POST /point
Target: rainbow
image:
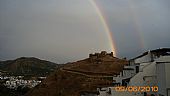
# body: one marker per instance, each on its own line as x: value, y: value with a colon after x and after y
x: 137, y: 25
x: 106, y: 27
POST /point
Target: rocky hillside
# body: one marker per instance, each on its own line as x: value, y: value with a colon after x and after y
x: 28, y: 66
x: 82, y: 76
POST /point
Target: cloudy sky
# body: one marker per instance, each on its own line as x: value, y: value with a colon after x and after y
x: 68, y: 30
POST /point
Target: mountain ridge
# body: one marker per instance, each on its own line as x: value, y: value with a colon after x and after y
x: 28, y: 66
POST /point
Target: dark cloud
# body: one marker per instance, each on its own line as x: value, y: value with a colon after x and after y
x: 60, y: 30
x: 68, y: 30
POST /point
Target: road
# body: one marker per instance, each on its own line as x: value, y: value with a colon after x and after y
x: 95, y: 75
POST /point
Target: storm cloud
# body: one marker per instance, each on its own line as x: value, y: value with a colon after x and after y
x: 68, y: 30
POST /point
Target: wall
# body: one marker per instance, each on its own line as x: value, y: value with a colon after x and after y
x: 149, y: 73
x: 146, y: 58
x: 167, y: 70
x: 163, y: 74
x: 160, y: 67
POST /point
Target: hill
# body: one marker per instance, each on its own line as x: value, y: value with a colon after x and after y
x: 82, y: 76
x: 28, y: 66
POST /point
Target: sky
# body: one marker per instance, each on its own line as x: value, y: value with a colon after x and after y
x: 68, y: 30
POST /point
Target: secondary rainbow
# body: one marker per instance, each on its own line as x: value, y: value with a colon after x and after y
x: 103, y: 21
x: 137, y: 26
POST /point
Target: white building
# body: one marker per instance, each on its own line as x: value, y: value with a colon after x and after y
x: 15, y: 82
x: 149, y: 73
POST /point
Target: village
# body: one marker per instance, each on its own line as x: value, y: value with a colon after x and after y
x: 13, y: 82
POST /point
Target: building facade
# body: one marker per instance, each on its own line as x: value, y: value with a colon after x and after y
x: 146, y: 75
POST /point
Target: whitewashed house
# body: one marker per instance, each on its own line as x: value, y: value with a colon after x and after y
x: 151, y: 71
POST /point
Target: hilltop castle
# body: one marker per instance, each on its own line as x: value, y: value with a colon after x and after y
x: 97, y: 57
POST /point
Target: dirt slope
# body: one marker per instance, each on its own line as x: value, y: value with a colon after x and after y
x: 80, y: 76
